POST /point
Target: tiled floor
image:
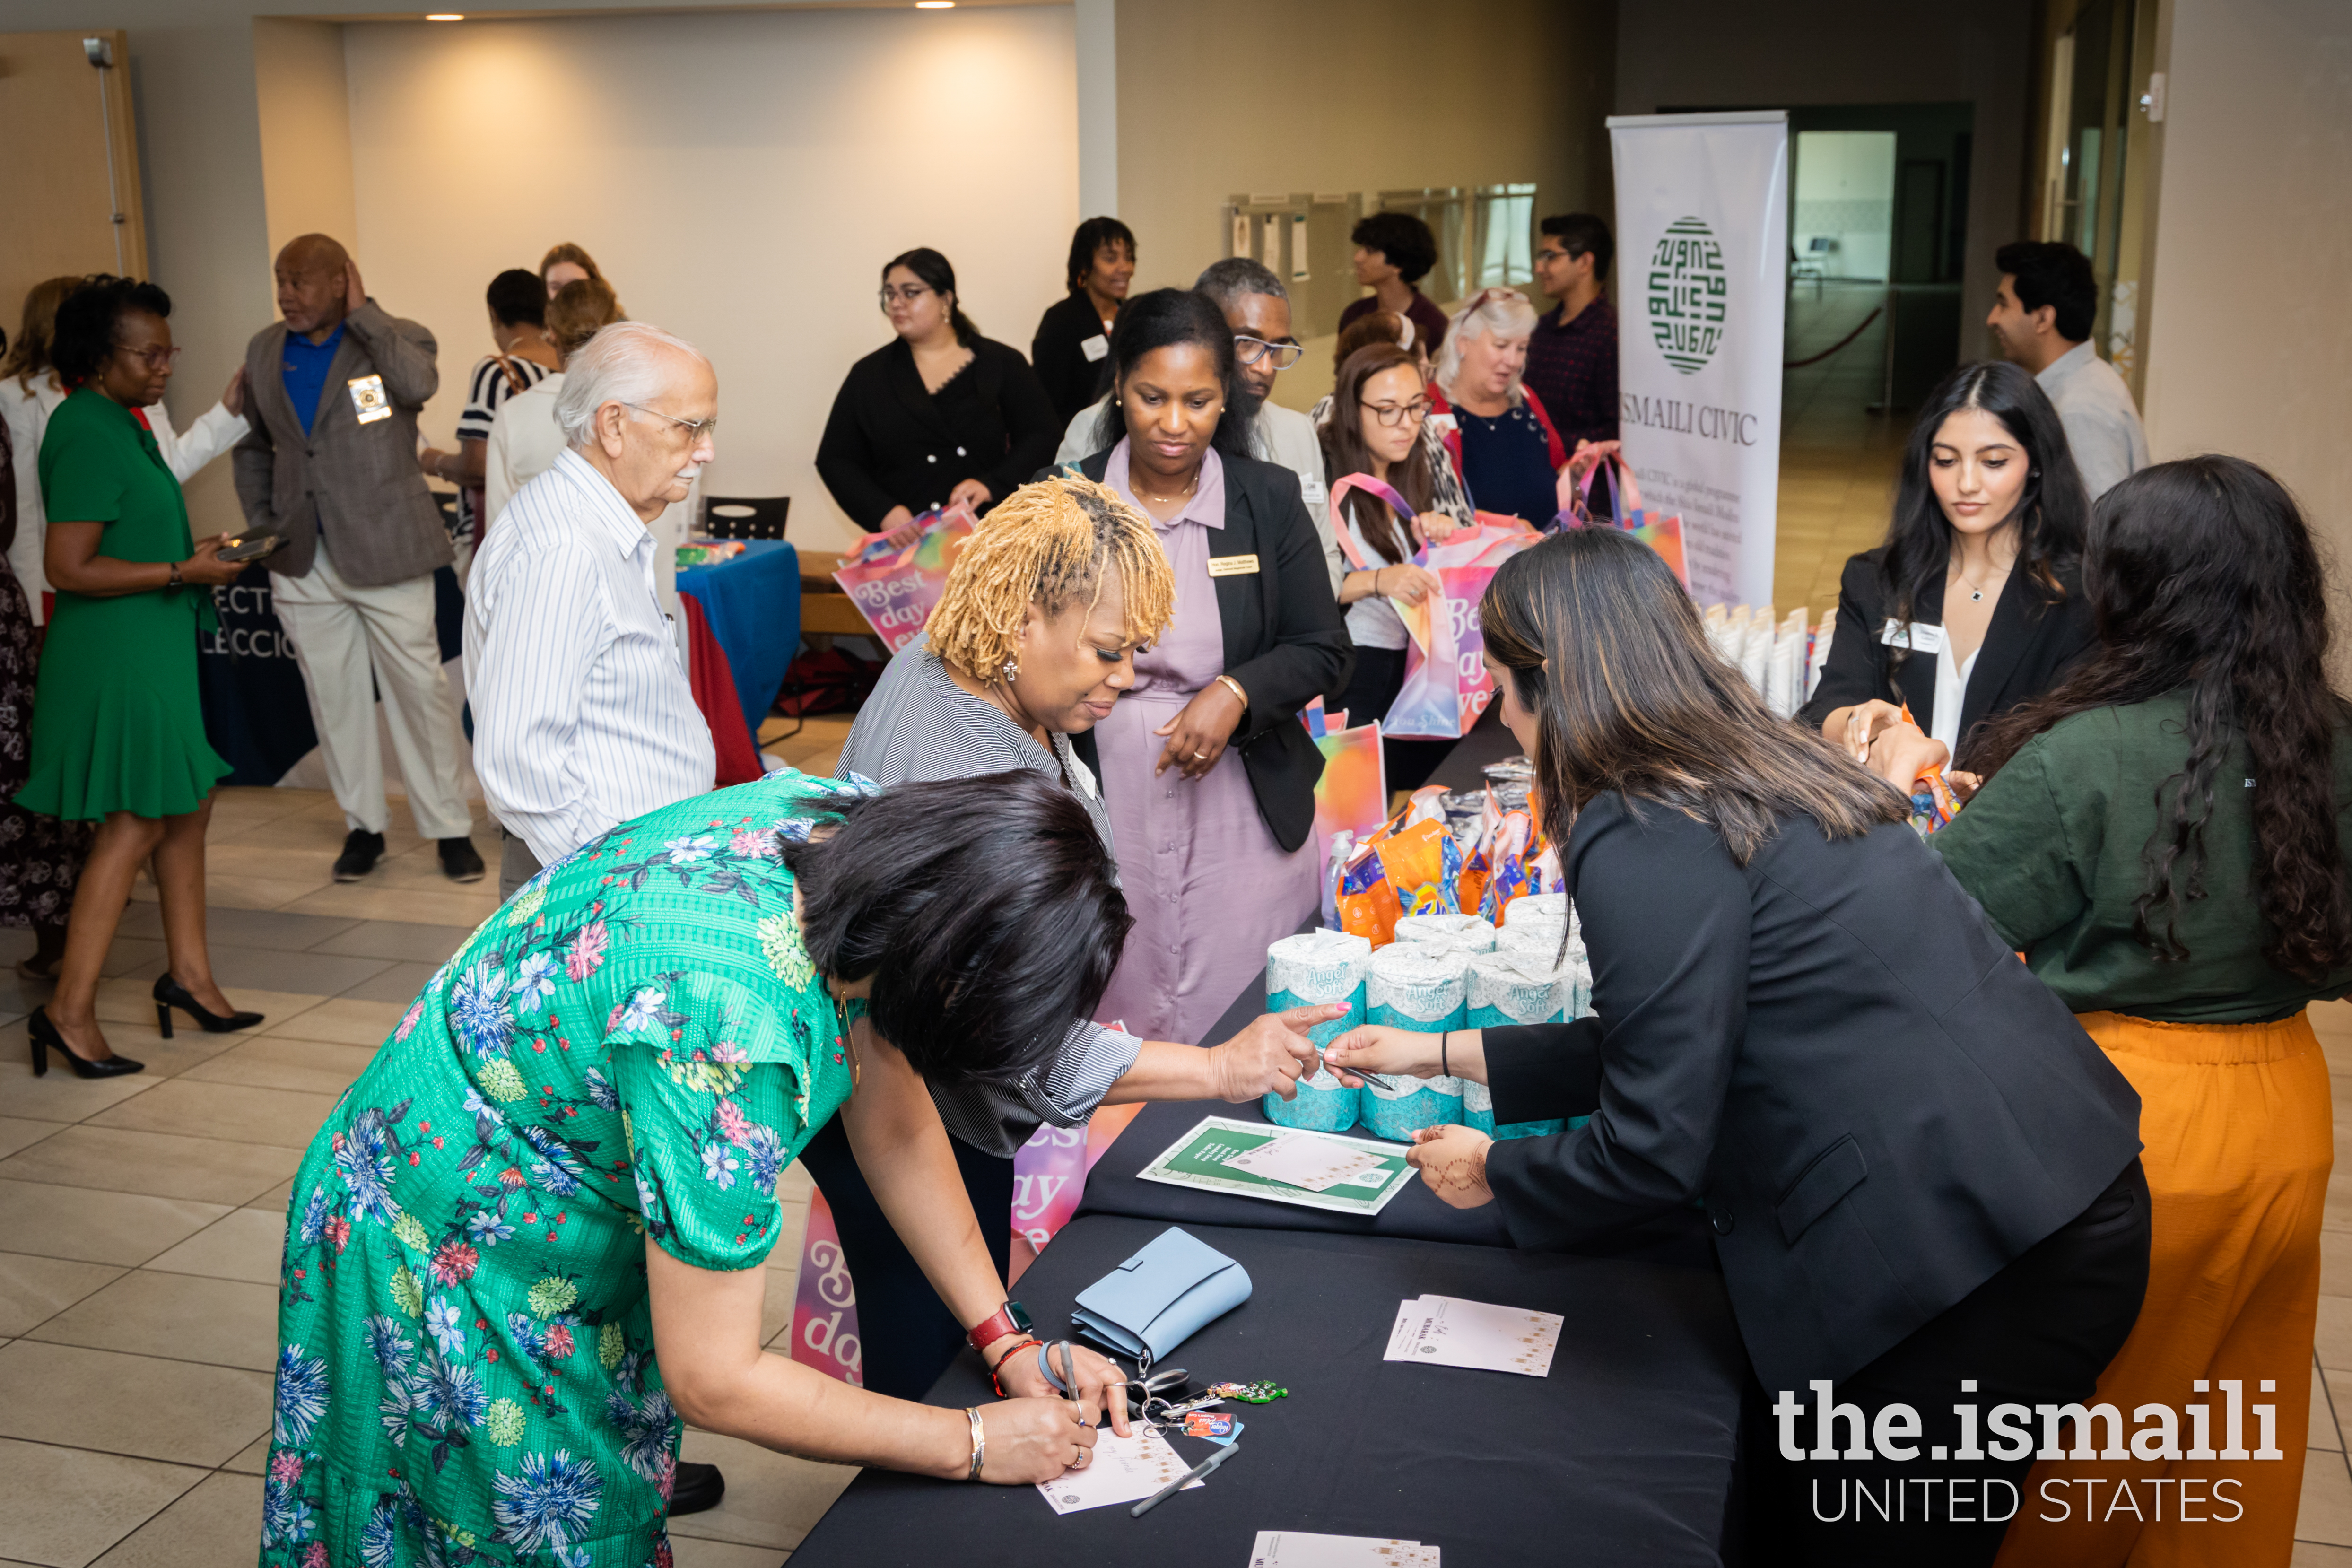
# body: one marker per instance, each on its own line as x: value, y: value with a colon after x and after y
x: 140, y: 1218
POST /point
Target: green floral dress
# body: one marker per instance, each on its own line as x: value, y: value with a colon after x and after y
x: 636, y: 1045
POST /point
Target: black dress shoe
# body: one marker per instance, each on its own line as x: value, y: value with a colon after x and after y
x: 459, y: 861
x: 45, y: 1039
x: 361, y: 850
x: 696, y: 1489
x: 170, y: 994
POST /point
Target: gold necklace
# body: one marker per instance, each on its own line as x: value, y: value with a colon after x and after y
x: 1171, y: 501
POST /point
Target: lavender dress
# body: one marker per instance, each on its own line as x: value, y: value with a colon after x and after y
x: 1207, y: 884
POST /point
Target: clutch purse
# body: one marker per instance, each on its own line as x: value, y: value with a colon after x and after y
x: 1156, y: 1300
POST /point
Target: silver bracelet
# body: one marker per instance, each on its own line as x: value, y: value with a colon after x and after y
x: 979, y: 1443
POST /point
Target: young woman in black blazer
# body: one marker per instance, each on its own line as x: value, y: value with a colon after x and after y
x: 1919, y: 1168
x: 938, y: 415
x: 1974, y: 604
x: 1208, y: 775
x: 1072, y: 346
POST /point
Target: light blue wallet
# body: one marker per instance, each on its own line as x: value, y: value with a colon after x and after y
x: 1158, y: 1299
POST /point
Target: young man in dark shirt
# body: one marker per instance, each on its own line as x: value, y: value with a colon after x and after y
x: 1572, y: 357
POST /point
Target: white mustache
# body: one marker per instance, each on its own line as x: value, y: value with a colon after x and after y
x: 692, y: 472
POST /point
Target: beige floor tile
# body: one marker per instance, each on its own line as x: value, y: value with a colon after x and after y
x: 88, y: 1226
x: 402, y: 940
x: 276, y: 1200
x: 244, y: 1244
x: 2334, y: 1263
x: 164, y: 1164
x: 177, y: 1411
x: 2325, y: 1431
x: 165, y: 1058
x: 691, y: 1552
x: 2307, y: 1554
x: 20, y: 1133
x: 35, y: 1290
x: 234, y: 1112
x: 219, y: 1522
x: 259, y: 892
x: 254, y: 1461
x: 275, y: 1061
x: 2327, y: 1511
x: 2335, y: 1330
x: 342, y: 1021
x: 63, y: 1507
x: 58, y: 1096
x: 180, y: 1317
x: 772, y: 1499
x: 361, y: 901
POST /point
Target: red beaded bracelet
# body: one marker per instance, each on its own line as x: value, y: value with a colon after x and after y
x: 994, y: 1374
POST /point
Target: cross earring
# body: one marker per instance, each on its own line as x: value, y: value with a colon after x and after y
x: 1011, y: 668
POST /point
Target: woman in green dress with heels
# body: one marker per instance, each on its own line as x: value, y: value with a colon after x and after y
x: 527, y: 1243
x: 118, y: 727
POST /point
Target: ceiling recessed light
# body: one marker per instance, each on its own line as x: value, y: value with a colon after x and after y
x: 445, y: 16
x: 934, y: 5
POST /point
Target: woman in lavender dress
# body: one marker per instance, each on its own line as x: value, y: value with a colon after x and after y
x: 1207, y: 772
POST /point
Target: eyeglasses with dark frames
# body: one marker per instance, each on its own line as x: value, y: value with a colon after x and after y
x: 1250, y: 350
x: 153, y: 358
x: 907, y: 295
x: 1392, y: 415
x: 695, y: 429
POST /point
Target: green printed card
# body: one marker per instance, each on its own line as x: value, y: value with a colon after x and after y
x: 1285, y: 1165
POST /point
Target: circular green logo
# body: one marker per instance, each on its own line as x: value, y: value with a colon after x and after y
x: 1688, y: 286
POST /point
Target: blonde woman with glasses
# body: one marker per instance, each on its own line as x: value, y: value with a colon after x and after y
x: 1501, y: 438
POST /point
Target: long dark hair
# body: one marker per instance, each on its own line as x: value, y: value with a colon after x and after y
x: 937, y: 273
x: 1344, y: 451
x: 2052, y: 514
x: 987, y: 911
x: 1637, y: 702
x: 84, y: 333
x: 1162, y: 319
x: 2202, y: 577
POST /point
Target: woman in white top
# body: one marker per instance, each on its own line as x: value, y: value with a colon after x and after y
x: 29, y: 394
x: 1975, y: 603
x: 1374, y: 426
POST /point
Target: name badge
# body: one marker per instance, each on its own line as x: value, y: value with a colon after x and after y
x: 1095, y: 347
x: 1913, y: 636
x: 369, y: 400
x: 1311, y: 490
x: 1443, y: 424
x: 1233, y: 565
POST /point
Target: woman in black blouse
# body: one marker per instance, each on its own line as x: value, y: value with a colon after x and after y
x: 1975, y: 603
x: 942, y: 415
x: 1072, y: 348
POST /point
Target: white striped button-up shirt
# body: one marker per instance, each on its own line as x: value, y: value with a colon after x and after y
x: 582, y: 716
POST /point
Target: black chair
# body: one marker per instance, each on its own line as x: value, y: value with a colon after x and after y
x: 745, y: 517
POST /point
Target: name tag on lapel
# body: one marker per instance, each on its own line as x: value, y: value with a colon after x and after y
x: 1311, y: 490
x: 1913, y: 636
x: 368, y: 399
x: 1095, y: 347
x: 1233, y: 565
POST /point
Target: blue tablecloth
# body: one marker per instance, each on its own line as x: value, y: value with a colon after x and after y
x: 753, y: 606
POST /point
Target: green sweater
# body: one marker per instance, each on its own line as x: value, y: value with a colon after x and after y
x: 2051, y: 848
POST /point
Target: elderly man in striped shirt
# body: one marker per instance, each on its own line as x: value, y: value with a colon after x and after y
x: 582, y: 716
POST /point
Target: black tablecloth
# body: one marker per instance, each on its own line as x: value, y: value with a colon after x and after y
x: 1627, y: 1453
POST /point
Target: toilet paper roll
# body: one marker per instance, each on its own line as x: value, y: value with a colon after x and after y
x: 1465, y: 933
x: 1413, y: 985
x: 1317, y: 966
x: 1411, y: 1104
x: 1510, y: 987
x: 1547, y: 940
x: 1538, y: 907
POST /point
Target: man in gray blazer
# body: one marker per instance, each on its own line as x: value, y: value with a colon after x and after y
x: 331, y: 465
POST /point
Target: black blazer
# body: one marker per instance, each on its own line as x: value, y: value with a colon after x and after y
x: 889, y: 443
x: 1879, y: 1106
x: 1284, y: 642
x: 1058, y: 350
x: 2028, y: 649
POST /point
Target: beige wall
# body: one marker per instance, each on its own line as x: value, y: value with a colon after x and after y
x: 740, y: 178
x: 2250, y: 335
x: 1217, y: 97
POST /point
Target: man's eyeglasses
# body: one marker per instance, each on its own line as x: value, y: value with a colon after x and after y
x: 906, y: 296
x: 1393, y: 415
x: 1249, y: 351
x: 695, y: 429
x: 153, y: 358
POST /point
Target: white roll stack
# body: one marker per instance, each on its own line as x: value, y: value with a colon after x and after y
x: 1463, y: 933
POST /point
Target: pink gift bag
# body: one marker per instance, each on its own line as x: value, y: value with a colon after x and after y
x: 897, y: 587
x: 825, y: 1303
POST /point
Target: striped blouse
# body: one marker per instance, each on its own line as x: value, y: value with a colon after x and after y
x: 920, y: 724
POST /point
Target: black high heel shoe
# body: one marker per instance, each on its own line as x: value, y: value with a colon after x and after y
x: 45, y: 1039
x: 170, y: 994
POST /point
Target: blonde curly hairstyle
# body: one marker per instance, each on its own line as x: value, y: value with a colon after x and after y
x: 1050, y: 544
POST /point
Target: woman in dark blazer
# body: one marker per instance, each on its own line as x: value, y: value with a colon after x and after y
x: 1919, y: 1169
x: 1072, y: 347
x: 1974, y: 604
x: 939, y: 414
x: 1207, y: 773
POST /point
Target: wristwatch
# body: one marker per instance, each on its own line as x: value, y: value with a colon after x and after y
x: 1012, y: 1318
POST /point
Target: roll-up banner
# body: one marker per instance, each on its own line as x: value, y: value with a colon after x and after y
x: 1702, y: 234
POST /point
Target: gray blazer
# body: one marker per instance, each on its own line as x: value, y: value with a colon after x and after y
x: 359, y: 483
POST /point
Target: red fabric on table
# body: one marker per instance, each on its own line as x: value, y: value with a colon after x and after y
x: 714, y: 693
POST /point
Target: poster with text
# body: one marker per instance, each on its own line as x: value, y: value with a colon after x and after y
x: 1702, y: 242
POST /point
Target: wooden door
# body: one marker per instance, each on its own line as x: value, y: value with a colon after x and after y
x: 73, y: 165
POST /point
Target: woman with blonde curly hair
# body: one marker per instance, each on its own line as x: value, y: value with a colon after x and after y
x: 1033, y: 642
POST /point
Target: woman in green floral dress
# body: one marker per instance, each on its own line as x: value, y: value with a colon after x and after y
x: 528, y: 1237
